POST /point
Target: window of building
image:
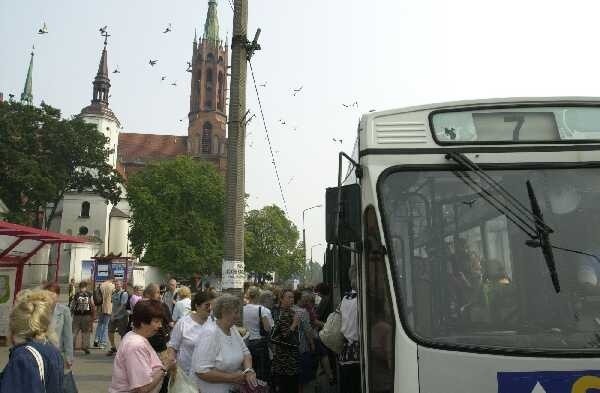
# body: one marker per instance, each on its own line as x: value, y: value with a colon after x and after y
x: 381, y: 324
x: 210, y: 58
x: 83, y: 230
x: 221, y: 91
x: 85, y: 209
x: 206, y: 138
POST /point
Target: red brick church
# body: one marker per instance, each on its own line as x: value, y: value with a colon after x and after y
x: 206, y: 138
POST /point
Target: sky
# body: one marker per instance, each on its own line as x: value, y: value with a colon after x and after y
x: 380, y: 54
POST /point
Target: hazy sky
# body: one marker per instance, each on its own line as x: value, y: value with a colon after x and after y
x: 382, y: 54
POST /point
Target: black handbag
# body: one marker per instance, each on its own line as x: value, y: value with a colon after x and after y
x: 263, y: 332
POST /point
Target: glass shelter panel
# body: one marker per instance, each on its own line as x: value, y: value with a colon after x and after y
x: 471, y: 277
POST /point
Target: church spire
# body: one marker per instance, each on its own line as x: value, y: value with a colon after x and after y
x: 27, y: 96
x: 211, y: 27
x: 101, y: 81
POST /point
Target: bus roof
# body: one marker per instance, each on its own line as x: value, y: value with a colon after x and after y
x: 409, y: 127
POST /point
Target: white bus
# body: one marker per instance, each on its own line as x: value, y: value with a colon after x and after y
x: 476, y: 229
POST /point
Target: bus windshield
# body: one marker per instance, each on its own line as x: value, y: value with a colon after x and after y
x: 468, y: 277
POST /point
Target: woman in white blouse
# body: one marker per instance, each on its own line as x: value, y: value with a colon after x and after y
x: 221, y: 360
x: 184, y: 305
x: 188, y: 330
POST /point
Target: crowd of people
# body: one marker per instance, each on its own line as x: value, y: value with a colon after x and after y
x: 174, y: 334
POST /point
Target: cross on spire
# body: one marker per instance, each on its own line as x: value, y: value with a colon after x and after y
x: 105, y: 35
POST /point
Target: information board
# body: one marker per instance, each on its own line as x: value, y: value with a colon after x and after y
x: 234, y: 275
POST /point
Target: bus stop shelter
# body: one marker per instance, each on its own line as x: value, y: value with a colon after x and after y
x: 18, y: 244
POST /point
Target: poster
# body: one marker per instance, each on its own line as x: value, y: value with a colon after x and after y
x: 87, y: 269
x: 7, y: 289
x: 102, y: 270
x: 233, y: 274
x: 118, y: 270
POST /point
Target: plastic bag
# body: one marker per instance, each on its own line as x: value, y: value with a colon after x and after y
x: 331, y: 335
x: 180, y: 382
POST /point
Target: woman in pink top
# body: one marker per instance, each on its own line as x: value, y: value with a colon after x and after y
x: 137, y: 368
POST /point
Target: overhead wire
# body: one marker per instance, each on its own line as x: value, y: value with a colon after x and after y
x: 262, y: 115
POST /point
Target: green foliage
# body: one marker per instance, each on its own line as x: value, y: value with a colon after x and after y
x: 43, y: 156
x: 272, y: 243
x: 178, y: 219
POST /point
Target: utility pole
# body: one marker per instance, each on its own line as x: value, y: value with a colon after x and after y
x: 233, y: 269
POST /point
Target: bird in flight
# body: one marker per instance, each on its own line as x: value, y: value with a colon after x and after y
x: 174, y: 83
x: 153, y: 62
x: 353, y: 105
x: 167, y: 29
x: 11, y: 96
x: 116, y: 71
x: 340, y: 141
x: 289, y: 181
x: 103, y: 30
x: 189, y: 67
x: 282, y: 122
x: 298, y: 90
x: 44, y: 29
x: 263, y: 85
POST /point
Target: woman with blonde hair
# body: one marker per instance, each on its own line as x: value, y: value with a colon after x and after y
x: 184, y: 305
x: 34, y: 365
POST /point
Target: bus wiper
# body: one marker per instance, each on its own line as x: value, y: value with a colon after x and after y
x: 543, y: 237
x: 513, y: 210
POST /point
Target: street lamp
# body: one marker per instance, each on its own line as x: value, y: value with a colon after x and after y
x: 311, y: 248
x: 304, y: 228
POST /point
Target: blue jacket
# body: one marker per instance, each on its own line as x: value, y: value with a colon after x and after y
x: 21, y: 373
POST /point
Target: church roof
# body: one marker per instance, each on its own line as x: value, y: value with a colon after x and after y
x: 211, y: 26
x: 114, y: 212
x: 27, y: 95
x: 141, y: 148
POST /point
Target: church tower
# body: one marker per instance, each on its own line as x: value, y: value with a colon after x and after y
x: 207, y: 117
x: 27, y: 95
x: 98, y: 111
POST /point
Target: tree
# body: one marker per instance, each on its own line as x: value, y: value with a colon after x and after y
x: 272, y: 243
x: 43, y: 156
x: 177, y: 222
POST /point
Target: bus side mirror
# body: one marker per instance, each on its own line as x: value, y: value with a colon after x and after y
x: 349, y: 230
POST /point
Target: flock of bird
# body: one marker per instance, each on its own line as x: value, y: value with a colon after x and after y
x: 153, y: 62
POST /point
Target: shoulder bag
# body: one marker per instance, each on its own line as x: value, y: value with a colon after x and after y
x: 40, y: 363
x: 331, y: 335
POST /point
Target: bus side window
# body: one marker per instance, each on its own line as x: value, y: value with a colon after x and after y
x: 380, y: 322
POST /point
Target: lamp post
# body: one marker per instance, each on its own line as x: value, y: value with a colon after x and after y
x: 304, y: 228
x: 311, y: 248
x: 308, y: 273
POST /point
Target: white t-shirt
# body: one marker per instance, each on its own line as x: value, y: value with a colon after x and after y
x: 251, y: 319
x: 185, y: 335
x: 349, y: 311
x: 182, y: 308
x: 218, y: 351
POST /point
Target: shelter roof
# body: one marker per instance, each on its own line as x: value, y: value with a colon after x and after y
x: 19, y: 241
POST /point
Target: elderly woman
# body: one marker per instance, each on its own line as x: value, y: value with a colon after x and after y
x: 221, y: 360
x: 62, y: 322
x: 30, y: 332
x: 258, y: 321
x: 183, y: 305
x: 189, y: 329
x: 137, y: 367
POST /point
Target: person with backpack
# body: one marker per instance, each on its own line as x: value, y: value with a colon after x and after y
x: 83, y: 309
x: 119, y: 316
x: 106, y: 290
